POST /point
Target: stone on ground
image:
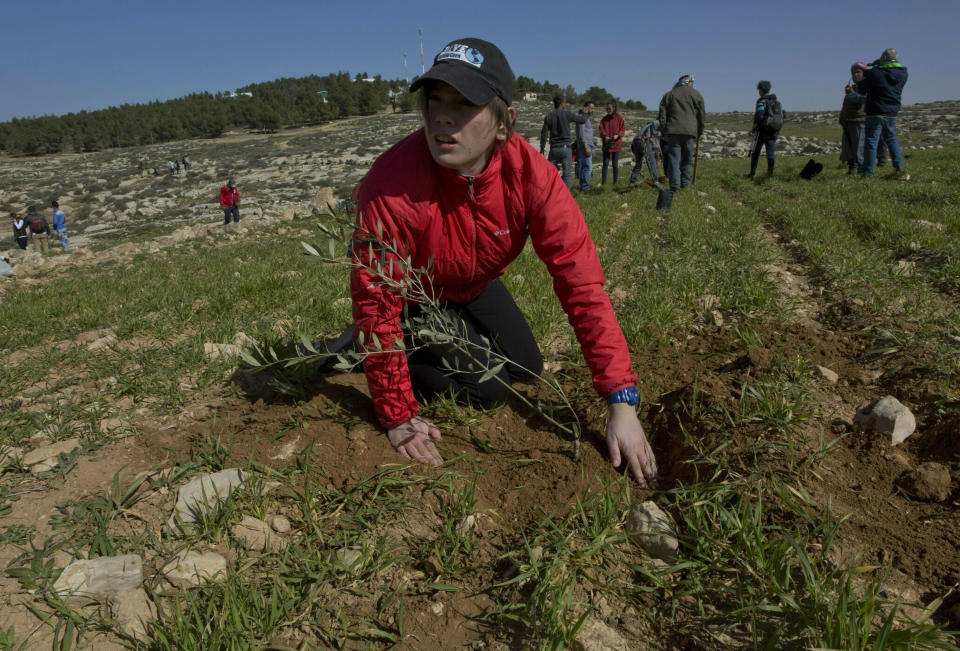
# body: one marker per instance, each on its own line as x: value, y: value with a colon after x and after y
x: 887, y: 416
x: 594, y: 635
x: 828, y: 374
x: 87, y: 580
x: 133, y: 611
x: 653, y: 530
x: 202, y: 494
x: 279, y: 523
x: 45, y: 458
x: 256, y: 535
x: 221, y: 351
x: 930, y: 482
x: 10, y: 456
x: 191, y: 568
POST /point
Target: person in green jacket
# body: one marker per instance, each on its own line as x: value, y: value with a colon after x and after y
x: 681, y: 119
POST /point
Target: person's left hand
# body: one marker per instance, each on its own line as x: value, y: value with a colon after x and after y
x: 627, y: 443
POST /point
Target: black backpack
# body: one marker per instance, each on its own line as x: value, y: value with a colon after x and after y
x: 773, y: 116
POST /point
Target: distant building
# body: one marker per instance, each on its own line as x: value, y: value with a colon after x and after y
x: 529, y: 97
x: 323, y: 95
x: 229, y: 95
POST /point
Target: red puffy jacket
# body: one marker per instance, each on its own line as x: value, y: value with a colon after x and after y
x: 472, y: 229
x: 229, y: 197
x: 610, y: 126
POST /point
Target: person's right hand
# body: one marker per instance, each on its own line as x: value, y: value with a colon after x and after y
x: 414, y: 440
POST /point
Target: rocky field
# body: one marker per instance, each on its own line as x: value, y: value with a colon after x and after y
x: 797, y: 347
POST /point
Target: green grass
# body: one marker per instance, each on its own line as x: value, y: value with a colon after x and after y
x: 754, y: 568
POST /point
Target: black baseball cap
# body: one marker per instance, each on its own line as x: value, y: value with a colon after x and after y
x: 476, y: 68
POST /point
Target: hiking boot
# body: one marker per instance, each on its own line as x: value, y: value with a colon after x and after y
x: 900, y: 174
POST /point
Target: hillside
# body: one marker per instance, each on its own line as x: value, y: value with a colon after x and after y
x: 762, y: 318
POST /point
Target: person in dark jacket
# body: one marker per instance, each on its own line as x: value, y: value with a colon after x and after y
x: 21, y: 233
x: 852, y: 115
x: 39, y: 229
x: 883, y: 86
x: 462, y: 196
x: 681, y: 120
x: 556, y: 127
x: 766, y: 126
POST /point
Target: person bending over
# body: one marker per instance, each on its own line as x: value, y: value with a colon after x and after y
x: 461, y: 195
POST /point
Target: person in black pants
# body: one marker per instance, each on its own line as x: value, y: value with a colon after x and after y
x: 768, y: 112
x: 492, y: 316
x: 20, y: 233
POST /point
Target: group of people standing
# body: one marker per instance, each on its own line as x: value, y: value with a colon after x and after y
x: 33, y: 228
x: 173, y: 166
x: 556, y: 129
x: 869, y: 115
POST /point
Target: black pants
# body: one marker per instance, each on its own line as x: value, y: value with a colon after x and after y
x: 231, y: 210
x: 442, y: 369
x: 763, y: 139
x: 22, y: 242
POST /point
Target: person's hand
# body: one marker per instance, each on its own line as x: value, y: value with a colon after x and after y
x: 414, y: 440
x: 627, y: 443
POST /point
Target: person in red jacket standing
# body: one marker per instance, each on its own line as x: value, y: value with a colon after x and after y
x: 460, y: 197
x: 230, y: 202
x: 612, y: 130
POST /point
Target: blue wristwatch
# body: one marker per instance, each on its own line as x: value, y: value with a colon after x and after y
x: 629, y: 395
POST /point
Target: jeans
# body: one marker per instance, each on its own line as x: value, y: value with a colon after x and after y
x: 64, y: 242
x: 763, y: 139
x: 678, y: 160
x: 490, y: 321
x: 584, y: 168
x: 562, y: 158
x: 875, y: 128
x: 607, y: 157
x: 231, y: 210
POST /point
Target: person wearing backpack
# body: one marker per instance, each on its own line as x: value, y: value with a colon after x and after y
x: 20, y: 231
x: 768, y: 117
x: 60, y: 225
x: 39, y: 228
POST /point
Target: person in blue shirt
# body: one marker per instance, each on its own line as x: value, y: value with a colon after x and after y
x: 60, y: 225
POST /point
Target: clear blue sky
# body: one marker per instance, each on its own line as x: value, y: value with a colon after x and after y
x: 59, y: 56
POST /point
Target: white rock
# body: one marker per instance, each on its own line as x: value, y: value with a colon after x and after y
x: 48, y: 455
x: 256, y: 535
x: 653, y: 531
x: 202, y: 493
x: 193, y: 568
x: 711, y: 209
x: 9, y: 456
x: 828, y: 374
x: 221, y: 351
x: 279, y: 523
x: 707, y: 302
x: 467, y: 525
x: 133, y: 611
x: 887, y: 416
x: 86, y: 580
x: 349, y: 557
x: 594, y: 635
x: 717, y: 317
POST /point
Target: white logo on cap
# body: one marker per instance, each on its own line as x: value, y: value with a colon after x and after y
x: 460, y: 52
